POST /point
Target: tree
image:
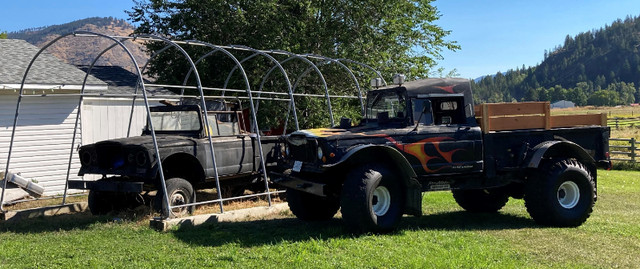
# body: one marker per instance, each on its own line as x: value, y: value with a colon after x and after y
x: 604, y: 98
x: 394, y: 36
x: 3, y: 35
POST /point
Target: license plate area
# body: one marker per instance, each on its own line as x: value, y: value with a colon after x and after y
x: 297, y: 166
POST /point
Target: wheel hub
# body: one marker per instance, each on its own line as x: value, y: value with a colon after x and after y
x: 381, y: 201
x: 178, y: 198
x: 568, y: 194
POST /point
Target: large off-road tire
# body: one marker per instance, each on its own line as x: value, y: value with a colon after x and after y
x: 372, y: 199
x: 309, y: 207
x: 180, y: 193
x: 103, y: 202
x: 561, y: 193
x: 481, y: 201
x: 99, y: 202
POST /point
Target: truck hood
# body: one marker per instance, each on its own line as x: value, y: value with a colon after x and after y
x: 355, y: 132
x: 147, y: 141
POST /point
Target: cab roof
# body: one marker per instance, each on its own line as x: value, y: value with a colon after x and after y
x: 434, y: 86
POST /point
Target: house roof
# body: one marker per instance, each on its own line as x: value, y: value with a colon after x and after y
x: 47, y: 72
x: 120, y: 80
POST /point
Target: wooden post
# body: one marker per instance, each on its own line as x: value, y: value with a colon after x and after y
x: 633, y: 149
x: 603, y: 119
x: 485, y: 118
x: 547, y: 116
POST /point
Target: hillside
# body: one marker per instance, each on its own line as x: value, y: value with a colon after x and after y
x: 81, y: 51
x: 599, y: 67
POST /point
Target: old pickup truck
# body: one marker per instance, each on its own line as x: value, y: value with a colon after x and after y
x: 129, y: 166
x: 425, y: 135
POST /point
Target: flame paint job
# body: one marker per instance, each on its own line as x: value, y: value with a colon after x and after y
x: 416, y: 149
x: 448, y: 89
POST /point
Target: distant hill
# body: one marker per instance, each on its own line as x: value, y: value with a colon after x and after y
x: 82, y: 50
x: 599, y: 67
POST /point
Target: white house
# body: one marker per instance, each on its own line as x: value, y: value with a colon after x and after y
x: 48, y: 110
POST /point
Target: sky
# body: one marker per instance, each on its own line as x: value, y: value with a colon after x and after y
x: 499, y: 35
x: 495, y: 35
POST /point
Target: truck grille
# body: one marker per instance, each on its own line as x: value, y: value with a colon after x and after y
x: 302, y: 149
x: 110, y: 156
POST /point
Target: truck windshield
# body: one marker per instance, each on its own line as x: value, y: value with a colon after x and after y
x: 175, y: 120
x: 385, y: 105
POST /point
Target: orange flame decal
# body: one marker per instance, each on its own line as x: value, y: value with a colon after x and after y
x: 417, y: 150
x: 446, y: 88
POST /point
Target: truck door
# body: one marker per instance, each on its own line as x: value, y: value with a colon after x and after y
x: 233, y: 150
x: 443, y: 142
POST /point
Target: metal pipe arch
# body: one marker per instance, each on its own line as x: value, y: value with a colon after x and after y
x: 253, y: 112
x: 206, y: 118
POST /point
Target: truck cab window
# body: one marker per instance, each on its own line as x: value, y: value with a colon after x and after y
x: 422, y: 106
x: 448, y: 110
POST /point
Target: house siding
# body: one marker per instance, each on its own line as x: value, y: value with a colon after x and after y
x: 42, y: 142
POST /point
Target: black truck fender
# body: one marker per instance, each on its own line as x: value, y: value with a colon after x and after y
x: 385, y: 154
x: 563, y: 149
x: 183, y: 165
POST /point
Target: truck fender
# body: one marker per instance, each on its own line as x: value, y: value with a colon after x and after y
x: 378, y: 153
x: 183, y: 165
x: 564, y: 149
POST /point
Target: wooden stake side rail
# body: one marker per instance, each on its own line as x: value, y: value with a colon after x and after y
x: 530, y: 115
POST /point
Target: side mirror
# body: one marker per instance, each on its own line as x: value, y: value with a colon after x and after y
x: 345, y: 123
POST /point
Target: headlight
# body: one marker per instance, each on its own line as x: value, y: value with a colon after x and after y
x: 319, y: 153
x: 85, y: 158
x: 141, y: 158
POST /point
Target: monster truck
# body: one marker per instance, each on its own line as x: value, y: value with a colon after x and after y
x: 424, y: 136
x: 129, y: 166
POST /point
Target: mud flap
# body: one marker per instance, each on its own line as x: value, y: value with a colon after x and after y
x: 413, y: 204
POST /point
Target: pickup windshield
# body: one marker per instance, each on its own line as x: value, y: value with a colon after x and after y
x: 385, y: 105
x: 184, y: 120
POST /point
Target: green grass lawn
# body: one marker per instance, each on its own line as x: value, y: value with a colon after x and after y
x: 444, y: 237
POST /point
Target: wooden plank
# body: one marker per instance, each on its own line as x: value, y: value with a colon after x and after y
x: 486, y: 123
x: 517, y: 122
x: 576, y: 120
x: 524, y: 108
x: 43, y: 212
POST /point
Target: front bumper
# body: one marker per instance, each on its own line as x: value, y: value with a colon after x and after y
x: 285, y: 179
x: 107, y: 185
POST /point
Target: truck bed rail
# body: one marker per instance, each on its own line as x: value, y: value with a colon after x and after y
x: 530, y: 115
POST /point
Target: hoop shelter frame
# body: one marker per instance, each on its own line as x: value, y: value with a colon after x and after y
x: 118, y: 42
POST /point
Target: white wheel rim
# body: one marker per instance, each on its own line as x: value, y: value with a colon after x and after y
x: 178, y: 198
x: 381, y: 201
x: 568, y: 194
